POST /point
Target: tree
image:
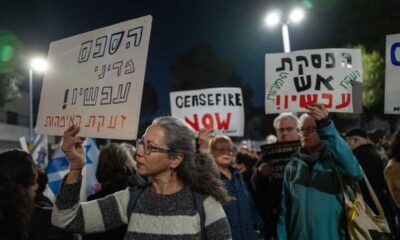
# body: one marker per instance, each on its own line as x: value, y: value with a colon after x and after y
x: 9, y: 76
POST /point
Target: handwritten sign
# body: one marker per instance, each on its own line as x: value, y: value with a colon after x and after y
x: 332, y: 77
x: 392, y: 73
x: 220, y: 109
x: 95, y: 80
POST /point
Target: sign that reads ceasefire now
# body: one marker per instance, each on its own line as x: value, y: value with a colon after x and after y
x: 95, y: 81
x: 220, y: 109
x: 332, y: 77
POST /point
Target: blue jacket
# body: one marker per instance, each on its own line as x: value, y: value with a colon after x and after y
x: 240, y: 211
x: 312, y: 201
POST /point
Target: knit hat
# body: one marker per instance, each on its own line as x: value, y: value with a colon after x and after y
x: 356, y: 132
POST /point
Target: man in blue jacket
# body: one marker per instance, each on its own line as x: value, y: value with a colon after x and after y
x: 312, y: 201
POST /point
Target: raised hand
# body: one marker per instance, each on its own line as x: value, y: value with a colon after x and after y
x: 72, y: 147
x: 204, y: 136
x: 317, y: 111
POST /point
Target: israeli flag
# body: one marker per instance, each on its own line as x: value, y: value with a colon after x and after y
x: 39, y: 151
x: 58, y: 167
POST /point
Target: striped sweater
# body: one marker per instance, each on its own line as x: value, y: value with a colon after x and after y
x: 155, y: 216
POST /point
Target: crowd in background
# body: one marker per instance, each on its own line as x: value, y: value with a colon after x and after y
x: 177, y: 184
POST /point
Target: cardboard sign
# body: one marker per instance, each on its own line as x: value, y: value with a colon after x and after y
x: 392, y: 73
x: 95, y: 81
x: 220, y: 109
x: 332, y: 77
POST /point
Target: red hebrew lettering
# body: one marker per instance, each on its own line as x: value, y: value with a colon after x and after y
x: 286, y: 101
x: 278, y: 102
x: 294, y: 98
x: 80, y: 118
x: 329, y: 97
x: 207, y: 121
x: 100, y: 123
x: 57, y: 121
x: 92, y: 121
x: 223, y: 124
x: 48, y: 122
x: 71, y: 120
x: 123, y: 118
x: 195, y: 123
x: 62, y: 121
x: 308, y: 99
x: 346, y: 98
x: 112, y: 124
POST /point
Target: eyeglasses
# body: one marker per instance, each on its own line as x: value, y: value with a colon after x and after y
x: 287, y: 129
x: 309, y: 129
x: 224, y: 150
x: 148, y: 148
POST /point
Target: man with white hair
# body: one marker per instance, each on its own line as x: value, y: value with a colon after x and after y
x: 267, y: 187
x: 312, y: 202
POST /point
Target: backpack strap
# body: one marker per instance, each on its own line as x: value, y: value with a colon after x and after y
x: 198, y: 204
x: 134, y: 195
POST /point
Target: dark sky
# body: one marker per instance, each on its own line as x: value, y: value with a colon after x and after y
x: 235, y: 28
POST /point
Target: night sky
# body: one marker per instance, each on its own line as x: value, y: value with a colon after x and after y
x: 234, y: 28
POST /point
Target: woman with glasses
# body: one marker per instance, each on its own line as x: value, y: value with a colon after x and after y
x: 166, y: 209
x: 240, y: 211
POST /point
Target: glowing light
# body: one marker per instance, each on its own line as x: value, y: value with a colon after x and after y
x: 273, y: 18
x: 296, y: 15
x: 39, y: 64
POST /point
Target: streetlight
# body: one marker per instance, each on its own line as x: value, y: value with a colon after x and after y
x: 37, y: 64
x: 273, y: 18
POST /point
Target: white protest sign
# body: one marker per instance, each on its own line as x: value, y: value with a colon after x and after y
x: 220, y: 109
x: 95, y: 80
x: 392, y: 73
x: 332, y: 77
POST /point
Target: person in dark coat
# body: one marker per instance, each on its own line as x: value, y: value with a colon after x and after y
x: 372, y: 164
x: 116, y: 165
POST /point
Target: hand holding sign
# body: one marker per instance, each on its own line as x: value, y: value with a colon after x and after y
x: 72, y: 146
x: 204, y: 137
x: 317, y: 111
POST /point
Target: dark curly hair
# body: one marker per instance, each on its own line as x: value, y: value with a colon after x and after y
x: 17, y: 176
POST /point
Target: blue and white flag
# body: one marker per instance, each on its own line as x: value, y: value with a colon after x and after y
x: 40, y: 152
x: 58, y: 167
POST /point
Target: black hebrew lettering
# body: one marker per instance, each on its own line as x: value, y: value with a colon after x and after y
x: 101, y: 44
x: 84, y: 53
x: 74, y: 96
x: 301, y: 59
x: 122, y: 95
x: 324, y: 81
x: 115, y: 41
x: 346, y: 60
x: 106, y: 94
x: 396, y: 109
x: 118, y: 66
x: 129, y: 67
x: 136, y: 34
x: 285, y: 60
x: 90, y: 96
x: 302, y: 84
x: 316, y: 60
x: 103, y: 72
x: 332, y: 57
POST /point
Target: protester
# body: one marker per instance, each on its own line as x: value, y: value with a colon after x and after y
x: 240, y: 211
x: 392, y: 170
x: 312, y: 202
x: 267, y: 189
x: 377, y: 138
x: 244, y: 163
x: 392, y: 176
x: 114, y: 168
x: 164, y: 210
x: 42, y: 180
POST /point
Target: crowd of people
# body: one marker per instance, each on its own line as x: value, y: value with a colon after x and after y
x: 178, y: 184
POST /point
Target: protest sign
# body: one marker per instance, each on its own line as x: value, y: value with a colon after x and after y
x: 220, y: 109
x: 95, y: 81
x: 392, y: 73
x: 332, y: 77
x: 277, y: 156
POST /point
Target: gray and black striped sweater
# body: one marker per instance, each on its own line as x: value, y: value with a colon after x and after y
x: 155, y: 216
